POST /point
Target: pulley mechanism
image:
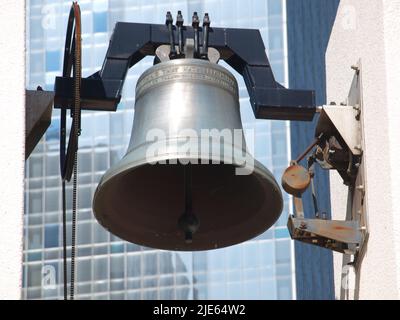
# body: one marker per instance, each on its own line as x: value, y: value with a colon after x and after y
x: 69, y: 155
x: 337, y: 146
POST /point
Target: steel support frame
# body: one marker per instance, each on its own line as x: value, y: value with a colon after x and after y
x: 351, y: 235
x: 242, y: 49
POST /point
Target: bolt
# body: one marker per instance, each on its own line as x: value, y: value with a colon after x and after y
x: 357, y: 165
x: 356, y: 69
x: 363, y: 229
x: 303, y: 225
x: 349, y: 252
x: 343, y: 104
x: 360, y: 187
x: 358, y: 109
x: 358, y: 147
x: 332, y: 103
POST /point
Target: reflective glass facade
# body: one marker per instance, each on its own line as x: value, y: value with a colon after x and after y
x: 108, y: 268
x: 306, y: 62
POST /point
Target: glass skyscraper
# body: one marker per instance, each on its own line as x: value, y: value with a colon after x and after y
x: 306, y: 61
x: 108, y: 268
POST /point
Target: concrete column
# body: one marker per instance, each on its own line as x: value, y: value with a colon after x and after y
x: 369, y: 30
x: 12, y: 145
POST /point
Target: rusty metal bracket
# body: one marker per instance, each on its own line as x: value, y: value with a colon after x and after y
x: 341, y: 236
x: 341, y: 149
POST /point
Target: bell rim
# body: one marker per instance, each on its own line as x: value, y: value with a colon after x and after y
x: 237, y: 152
x: 260, y: 171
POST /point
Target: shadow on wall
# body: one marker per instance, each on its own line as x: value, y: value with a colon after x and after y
x: 309, y: 28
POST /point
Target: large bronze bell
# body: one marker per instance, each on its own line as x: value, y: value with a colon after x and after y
x: 152, y: 197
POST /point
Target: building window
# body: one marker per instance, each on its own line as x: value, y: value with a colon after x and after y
x: 34, y: 275
x: 281, y: 233
x: 100, y: 21
x: 52, y: 61
x: 134, y: 266
x: 117, y: 248
x: 35, y: 202
x: 117, y: 270
x: 84, y: 270
x: 53, y: 131
x: 34, y: 238
x: 284, y: 289
x: 35, y: 167
x: 100, y: 269
x: 274, y: 7
x: 51, y: 236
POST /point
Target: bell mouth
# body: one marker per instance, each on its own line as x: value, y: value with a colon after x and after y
x: 142, y: 203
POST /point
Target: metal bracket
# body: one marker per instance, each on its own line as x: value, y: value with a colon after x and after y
x: 341, y: 236
x: 38, y: 111
x: 357, y: 201
x: 341, y: 121
x: 341, y: 149
x: 242, y: 49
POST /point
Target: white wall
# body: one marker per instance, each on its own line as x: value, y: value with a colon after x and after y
x: 12, y: 145
x: 370, y: 30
